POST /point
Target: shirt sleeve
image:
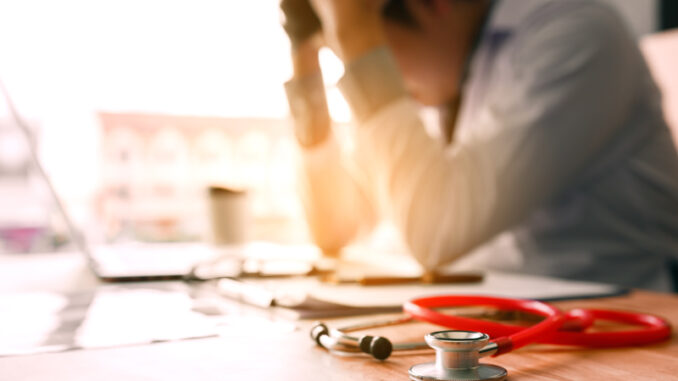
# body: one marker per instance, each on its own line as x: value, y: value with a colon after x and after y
x: 559, y: 97
x: 371, y: 82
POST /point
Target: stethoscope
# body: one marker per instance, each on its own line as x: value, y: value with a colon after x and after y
x: 458, y: 350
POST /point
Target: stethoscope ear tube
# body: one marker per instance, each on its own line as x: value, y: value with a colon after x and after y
x: 333, y: 340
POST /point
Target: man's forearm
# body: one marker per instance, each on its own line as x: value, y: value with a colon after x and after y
x: 306, y: 96
x: 335, y: 208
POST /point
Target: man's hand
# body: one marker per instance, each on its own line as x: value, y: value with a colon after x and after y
x: 300, y: 21
x: 351, y: 27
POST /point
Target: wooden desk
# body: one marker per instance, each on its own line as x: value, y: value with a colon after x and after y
x: 265, y: 354
x: 251, y: 355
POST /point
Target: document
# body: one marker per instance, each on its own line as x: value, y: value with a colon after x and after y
x: 120, y: 315
x: 311, y: 298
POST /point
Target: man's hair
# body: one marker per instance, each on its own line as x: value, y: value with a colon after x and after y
x: 396, y: 10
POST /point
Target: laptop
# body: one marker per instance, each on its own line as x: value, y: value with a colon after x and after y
x: 121, y: 262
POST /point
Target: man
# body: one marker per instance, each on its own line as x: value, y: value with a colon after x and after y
x: 552, y: 124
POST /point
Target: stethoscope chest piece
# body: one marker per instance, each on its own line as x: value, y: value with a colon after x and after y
x: 457, y: 355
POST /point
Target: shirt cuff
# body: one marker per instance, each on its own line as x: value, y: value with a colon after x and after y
x: 308, y: 106
x: 372, y: 82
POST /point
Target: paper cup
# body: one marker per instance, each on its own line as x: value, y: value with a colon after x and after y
x: 230, y: 217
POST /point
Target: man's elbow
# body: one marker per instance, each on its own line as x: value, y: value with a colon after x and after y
x: 329, y: 236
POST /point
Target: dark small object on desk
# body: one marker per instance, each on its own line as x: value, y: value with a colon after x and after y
x: 428, y: 278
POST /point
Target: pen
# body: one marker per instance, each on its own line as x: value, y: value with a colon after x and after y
x: 254, y: 294
x: 428, y: 278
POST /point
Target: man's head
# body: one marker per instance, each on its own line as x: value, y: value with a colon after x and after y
x: 431, y: 40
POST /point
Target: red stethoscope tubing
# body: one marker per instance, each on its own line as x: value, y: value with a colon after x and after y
x: 508, y: 339
x: 557, y: 328
x: 654, y: 329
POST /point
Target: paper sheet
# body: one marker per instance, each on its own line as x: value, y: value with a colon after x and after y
x: 119, y: 315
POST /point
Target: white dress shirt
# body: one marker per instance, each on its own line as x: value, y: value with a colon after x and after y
x: 560, y: 143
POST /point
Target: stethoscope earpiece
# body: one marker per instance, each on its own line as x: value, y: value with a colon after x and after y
x: 318, y: 330
x: 377, y: 346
